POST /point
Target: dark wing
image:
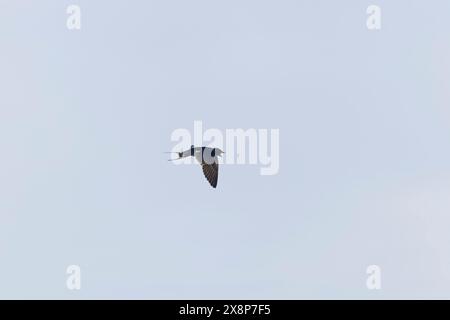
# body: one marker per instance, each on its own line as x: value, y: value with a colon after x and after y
x: 211, y: 172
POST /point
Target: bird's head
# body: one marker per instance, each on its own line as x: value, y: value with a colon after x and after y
x: 219, y: 152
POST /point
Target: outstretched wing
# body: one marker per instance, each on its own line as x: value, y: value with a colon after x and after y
x: 210, y: 164
x: 211, y: 172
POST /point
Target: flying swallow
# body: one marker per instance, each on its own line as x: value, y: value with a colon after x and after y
x: 208, y: 158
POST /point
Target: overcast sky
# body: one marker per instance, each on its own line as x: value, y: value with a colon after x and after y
x: 364, y: 120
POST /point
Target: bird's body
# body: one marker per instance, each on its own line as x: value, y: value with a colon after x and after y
x: 208, y: 158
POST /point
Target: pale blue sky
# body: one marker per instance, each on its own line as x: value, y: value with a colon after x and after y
x: 364, y: 121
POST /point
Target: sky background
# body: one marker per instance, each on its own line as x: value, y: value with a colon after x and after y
x: 364, y: 119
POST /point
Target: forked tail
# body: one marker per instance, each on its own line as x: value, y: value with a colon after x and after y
x: 180, y: 155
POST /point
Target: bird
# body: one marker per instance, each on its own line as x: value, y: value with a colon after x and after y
x: 207, y: 157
